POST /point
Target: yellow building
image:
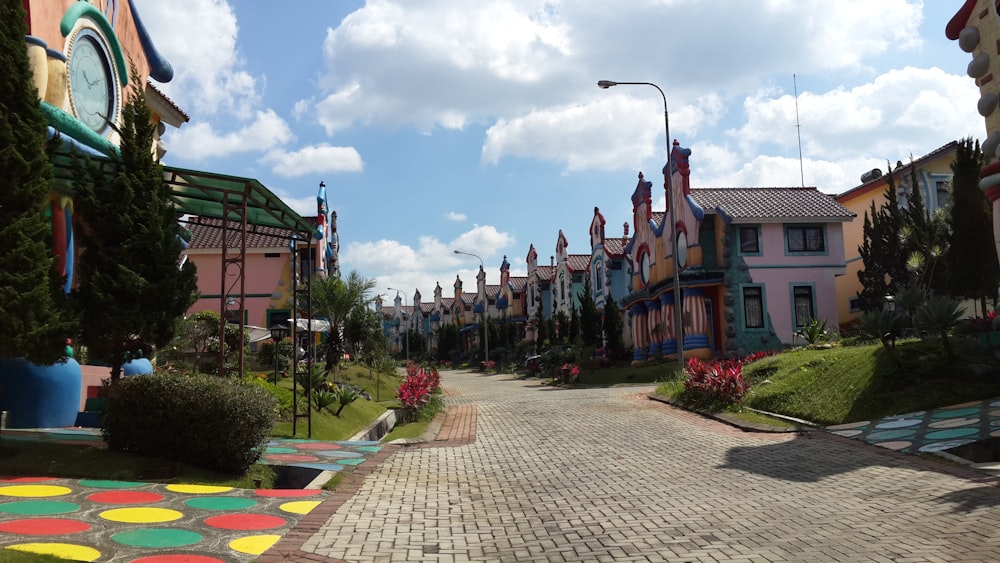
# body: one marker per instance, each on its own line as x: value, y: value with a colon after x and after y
x: 933, y: 172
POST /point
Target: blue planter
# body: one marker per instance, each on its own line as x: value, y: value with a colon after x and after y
x: 40, y: 396
x: 138, y: 366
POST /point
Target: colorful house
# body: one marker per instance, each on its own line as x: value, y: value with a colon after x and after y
x: 609, y: 270
x: 933, y: 173
x: 756, y: 264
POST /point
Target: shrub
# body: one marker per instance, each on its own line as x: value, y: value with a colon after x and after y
x: 814, y: 333
x: 346, y: 396
x: 417, y: 390
x: 714, y: 384
x: 219, y: 424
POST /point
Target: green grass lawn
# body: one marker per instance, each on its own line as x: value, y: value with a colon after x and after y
x: 856, y: 383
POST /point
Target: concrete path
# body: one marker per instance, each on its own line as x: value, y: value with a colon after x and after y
x: 551, y: 474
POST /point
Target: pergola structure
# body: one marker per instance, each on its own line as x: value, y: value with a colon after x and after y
x: 242, y: 205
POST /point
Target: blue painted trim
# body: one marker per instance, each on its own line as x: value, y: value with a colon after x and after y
x: 726, y: 218
x: 763, y: 308
x: 699, y: 213
x: 760, y: 246
x: 695, y: 341
x: 32, y: 40
x: 71, y: 143
x: 82, y: 8
x: 820, y: 226
x: 53, y: 54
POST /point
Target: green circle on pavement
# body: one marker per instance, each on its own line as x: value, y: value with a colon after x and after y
x: 38, y: 507
x: 157, y: 537
x: 221, y: 503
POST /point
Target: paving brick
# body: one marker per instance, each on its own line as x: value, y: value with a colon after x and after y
x: 525, y: 472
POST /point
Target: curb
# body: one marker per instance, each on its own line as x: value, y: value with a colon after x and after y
x: 744, y: 425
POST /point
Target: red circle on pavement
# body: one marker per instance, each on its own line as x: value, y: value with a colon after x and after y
x: 245, y: 522
x: 180, y: 558
x: 292, y: 457
x: 44, y: 526
x: 125, y: 497
x: 316, y: 446
x: 9, y: 479
x: 287, y: 493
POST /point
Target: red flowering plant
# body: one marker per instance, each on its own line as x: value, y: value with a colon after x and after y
x: 570, y: 373
x: 417, y: 390
x: 714, y: 384
x: 488, y: 365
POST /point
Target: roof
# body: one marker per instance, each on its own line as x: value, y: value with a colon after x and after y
x: 518, y: 283
x: 578, y: 262
x: 615, y: 246
x: 492, y: 291
x: 206, y: 232
x: 881, y: 179
x: 168, y: 111
x: 771, y: 205
x: 205, y: 194
x: 546, y: 272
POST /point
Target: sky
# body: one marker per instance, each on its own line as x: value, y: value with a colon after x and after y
x: 478, y: 125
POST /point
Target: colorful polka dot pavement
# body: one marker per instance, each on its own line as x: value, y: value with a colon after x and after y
x: 96, y: 520
x: 929, y: 431
x: 102, y: 520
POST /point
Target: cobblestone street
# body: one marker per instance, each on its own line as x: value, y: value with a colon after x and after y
x: 552, y: 474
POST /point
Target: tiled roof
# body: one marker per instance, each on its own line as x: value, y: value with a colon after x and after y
x: 936, y: 153
x: 658, y: 217
x: 468, y: 298
x: 518, y: 283
x: 492, y: 291
x: 578, y: 262
x: 546, y: 272
x: 771, y: 205
x: 170, y: 103
x: 447, y: 302
x: 615, y: 246
x: 426, y: 307
x: 206, y: 232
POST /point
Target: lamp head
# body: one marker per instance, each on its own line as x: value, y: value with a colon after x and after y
x: 456, y: 252
x: 605, y: 84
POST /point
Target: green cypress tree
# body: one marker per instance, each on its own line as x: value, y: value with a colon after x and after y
x: 541, y: 327
x: 972, y: 258
x: 131, y: 289
x: 613, y: 328
x: 590, y: 320
x: 881, y: 251
x: 36, y: 319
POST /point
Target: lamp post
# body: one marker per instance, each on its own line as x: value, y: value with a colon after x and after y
x: 486, y: 307
x: 278, y: 333
x: 678, y: 302
x: 406, y: 335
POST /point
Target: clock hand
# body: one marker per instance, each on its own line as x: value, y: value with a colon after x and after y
x: 87, y: 80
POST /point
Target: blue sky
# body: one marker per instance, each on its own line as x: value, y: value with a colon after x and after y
x: 478, y: 125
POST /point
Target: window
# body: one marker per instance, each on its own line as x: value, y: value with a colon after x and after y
x: 805, y: 239
x: 854, y: 304
x: 753, y: 307
x: 272, y: 255
x: 802, y: 299
x: 749, y: 240
x: 943, y: 195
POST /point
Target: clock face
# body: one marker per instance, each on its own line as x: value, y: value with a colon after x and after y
x: 682, y: 250
x: 91, y: 81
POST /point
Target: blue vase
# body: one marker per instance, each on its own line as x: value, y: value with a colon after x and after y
x: 40, y: 396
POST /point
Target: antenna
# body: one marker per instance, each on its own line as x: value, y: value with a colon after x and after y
x: 798, y: 130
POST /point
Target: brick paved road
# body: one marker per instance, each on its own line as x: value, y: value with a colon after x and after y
x: 608, y: 475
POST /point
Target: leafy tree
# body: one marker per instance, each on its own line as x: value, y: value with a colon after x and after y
x: 36, y: 318
x: 972, y: 258
x: 542, y: 329
x: 334, y: 299
x: 563, y: 326
x: 449, y: 341
x: 924, y: 238
x: 613, y: 327
x: 590, y: 318
x: 131, y: 289
x: 574, y: 324
x: 881, y: 251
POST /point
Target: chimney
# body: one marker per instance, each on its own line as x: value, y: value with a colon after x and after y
x: 626, y: 229
x: 552, y: 261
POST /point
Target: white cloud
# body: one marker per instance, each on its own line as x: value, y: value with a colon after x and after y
x: 455, y: 216
x: 199, y: 39
x: 315, y: 159
x: 201, y: 141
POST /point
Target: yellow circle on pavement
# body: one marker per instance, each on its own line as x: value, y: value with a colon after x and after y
x: 300, y: 506
x: 141, y: 515
x: 254, y: 545
x: 61, y: 550
x: 34, y: 491
x: 198, y: 489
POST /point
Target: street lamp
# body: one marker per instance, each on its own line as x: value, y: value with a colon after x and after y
x: 403, y: 314
x: 278, y: 333
x: 668, y: 183
x: 486, y: 307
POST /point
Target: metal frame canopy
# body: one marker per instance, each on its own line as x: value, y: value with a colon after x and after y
x: 239, y: 203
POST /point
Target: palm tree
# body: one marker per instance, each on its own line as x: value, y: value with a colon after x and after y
x: 941, y: 314
x: 334, y: 299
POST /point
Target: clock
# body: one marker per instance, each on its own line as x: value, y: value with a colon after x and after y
x: 91, y: 81
x: 682, y: 250
x: 644, y: 267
